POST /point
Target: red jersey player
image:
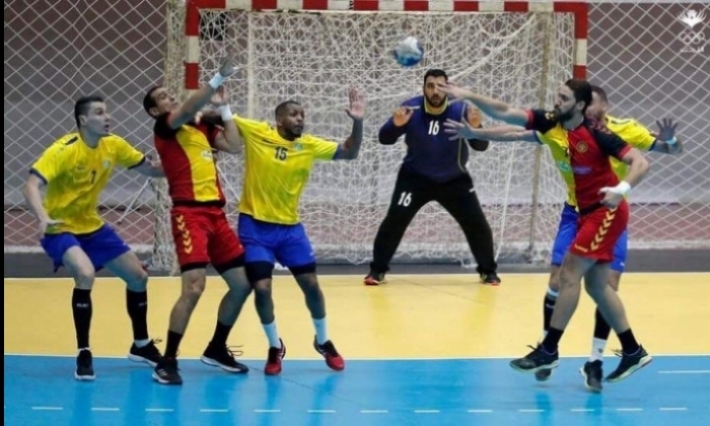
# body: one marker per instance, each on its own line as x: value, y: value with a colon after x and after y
x: 200, y: 227
x: 600, y: 200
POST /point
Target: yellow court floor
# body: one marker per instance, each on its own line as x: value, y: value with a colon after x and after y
x: 413, y: 316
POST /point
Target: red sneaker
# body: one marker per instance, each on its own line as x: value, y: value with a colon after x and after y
x: 273, y: 362
x: 331, y: 355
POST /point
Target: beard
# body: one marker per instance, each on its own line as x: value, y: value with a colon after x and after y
x: 436, y: 103
x: 564, y: 116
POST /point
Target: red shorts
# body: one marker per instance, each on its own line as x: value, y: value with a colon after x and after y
x: 598, y: 232
x: 202, y: 236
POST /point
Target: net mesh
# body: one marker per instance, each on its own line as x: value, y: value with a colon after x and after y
x: 652, y: 63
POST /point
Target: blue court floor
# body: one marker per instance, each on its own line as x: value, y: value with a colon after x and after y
x: 672, y: 390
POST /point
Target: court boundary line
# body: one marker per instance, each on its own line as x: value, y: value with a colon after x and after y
x: 160, y: 278
x: 498, y: 357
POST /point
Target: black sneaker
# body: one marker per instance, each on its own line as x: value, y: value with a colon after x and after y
x: 84, y: 366
x: 543, y: 375
x: 223, y: 357
x: 166, y: 372
x: 592, y: 373
x: 374, y: 278
x: 148, y: 354
x: 629, y: 364
x: 536, y: 360
x: 490, y: 279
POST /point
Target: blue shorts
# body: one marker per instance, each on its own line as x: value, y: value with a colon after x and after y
x: 567, y: 232
x: 101, y: 246
x: 269, y: 242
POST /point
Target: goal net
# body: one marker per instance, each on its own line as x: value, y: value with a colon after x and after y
x: 515, y: 51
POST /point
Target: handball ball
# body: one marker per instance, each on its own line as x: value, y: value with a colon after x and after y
x: 408, y: 52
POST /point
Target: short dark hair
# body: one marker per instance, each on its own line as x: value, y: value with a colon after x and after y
x: 435, y: 72
x: 582, y: 91
x: 600, y: 92
x: 283, y: 106
x: 149, y: 101
x: 82, y: 105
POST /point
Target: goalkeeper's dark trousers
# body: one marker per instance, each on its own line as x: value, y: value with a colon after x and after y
x: 411, y: 193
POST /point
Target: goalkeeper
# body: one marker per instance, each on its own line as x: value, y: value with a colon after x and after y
x: 434, y: 169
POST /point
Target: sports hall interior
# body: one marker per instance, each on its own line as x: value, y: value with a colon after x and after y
x: 429, y: 347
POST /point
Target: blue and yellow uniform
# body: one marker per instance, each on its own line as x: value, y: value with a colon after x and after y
x: 277, y: 171
x: 635, y: 135
x: 75, y: 175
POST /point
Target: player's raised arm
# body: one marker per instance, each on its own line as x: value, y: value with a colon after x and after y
x: 493, y: 108
x: 350, y: 149
x: 198, y: 100
x: 464, y: 130
x: 227, y: 140
x: 395, y: 126
x: 666, y: 141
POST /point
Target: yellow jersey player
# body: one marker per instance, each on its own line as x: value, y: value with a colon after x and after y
x: 641, y: 138
x: 278, y: 165
x: 75, y: 170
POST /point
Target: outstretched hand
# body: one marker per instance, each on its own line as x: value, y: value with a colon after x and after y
x: 666, y: 129
x: 229, y: 67
x: 453, y: 91
x: 460, y: 130
x: 356, y: 109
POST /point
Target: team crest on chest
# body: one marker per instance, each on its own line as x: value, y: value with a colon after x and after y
x: 297, y: 146
x: 106, y: 164
x: 582, y: 147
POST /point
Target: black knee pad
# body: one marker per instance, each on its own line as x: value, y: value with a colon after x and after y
x: 303, y: 269
x: 257, y: 271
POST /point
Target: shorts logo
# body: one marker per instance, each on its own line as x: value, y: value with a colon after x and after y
x: 184, y: 233
x: 582, y: 147
x: 602, y: 231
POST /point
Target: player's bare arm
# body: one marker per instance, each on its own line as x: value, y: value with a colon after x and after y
x: 638, y: 167
x: 666, y: 140
x: 462, y: 129
x: 197, y: 101
x: 491, y: 107
x: 150, y: 168
x: 33, y: 197
x: 228, y: 140
x: 350, y: 149
x: 474, y: 119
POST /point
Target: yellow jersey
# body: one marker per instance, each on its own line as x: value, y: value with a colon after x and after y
x: 75, y: 175
x: 631, y: 131
x: 277, y: 170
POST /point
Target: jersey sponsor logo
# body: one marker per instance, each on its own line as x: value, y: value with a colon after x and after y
x: 582, y: 170
x: 207, y: 154
x: 564, y: 166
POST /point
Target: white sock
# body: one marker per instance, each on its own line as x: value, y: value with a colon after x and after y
x: 598, y: 346
x: 321, y: 332
x: 272, y: 335
x: 142, y: 343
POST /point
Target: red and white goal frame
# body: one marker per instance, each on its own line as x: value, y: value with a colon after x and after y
x: 578, y: 9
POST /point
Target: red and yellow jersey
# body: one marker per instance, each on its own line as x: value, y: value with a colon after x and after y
x: 187, y: 156
x: 583, y: 154
x: 75, y: 175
